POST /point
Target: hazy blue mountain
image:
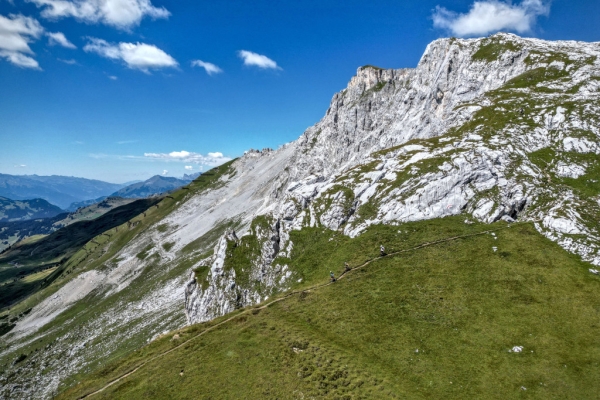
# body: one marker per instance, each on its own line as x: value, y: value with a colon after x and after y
x: 95, y: 209
x: 131, y: 182
x: 86, y: 203
x: 138, y: 189
x: 156, y: 184
x: 58, y: 190
x: 191, y: 177
x: 23, y: 210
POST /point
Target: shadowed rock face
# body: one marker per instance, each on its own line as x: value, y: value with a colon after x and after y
x: 495, y: 128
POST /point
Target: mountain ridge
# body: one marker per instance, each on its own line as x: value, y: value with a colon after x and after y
x: 22, y: 210
x: 483, y: 130
x: 154, y: 185
x: 58, y: 190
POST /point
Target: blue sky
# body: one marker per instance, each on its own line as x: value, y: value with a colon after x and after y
x: 121, y: 90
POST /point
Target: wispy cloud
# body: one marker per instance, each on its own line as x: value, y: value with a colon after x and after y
x: 16, y: 32
x: 70, y: 62
x: 211, y: 159
x: 490, y: 16
x: 257, y: 60
x: 141, y: 56
x: 101, y: 156
x: 121, y: 14
x: 58, y: 38
x: 21, y: 166
x: 210, y: 68
x: 113, y: 78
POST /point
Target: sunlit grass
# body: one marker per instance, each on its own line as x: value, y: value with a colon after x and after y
x: 39, y: 275
x: 438, y: 322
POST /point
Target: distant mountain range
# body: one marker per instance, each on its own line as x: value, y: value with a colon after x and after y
x: 58, y: 190
x: 156, y: 184
x: 58, y: 246
x: 191, y: 177
x: 20, y: 219
x: 13, y: 231
x: 22, y: 210
x: 70, y: 193
x: 93, y: 210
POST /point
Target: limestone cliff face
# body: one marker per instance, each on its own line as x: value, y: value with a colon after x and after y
x: 385, y: 108
x: 460, y: 133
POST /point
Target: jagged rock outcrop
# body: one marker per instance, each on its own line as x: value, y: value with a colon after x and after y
x: 224, y: 290
x: 459, y: 133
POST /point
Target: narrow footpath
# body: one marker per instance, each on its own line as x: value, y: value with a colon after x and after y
x: 293, y: 293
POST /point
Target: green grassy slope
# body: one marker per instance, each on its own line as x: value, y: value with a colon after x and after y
x: 49, y: 345
x: 21, y: 210
x: 93, y: 211
x: 52, y: 251
x: 435, y: 322
x: 81, y: 246
x: 104, y: 246
x: 13, y: 232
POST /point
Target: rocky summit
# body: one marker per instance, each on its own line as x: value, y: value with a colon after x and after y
x: 496, y: 130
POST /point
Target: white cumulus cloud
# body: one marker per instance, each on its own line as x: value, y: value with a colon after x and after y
x: 140, y: 56
x: 208, y: 67
x: 179, y: 154
x: 16, y: 32
x: 489, y: 16
x: 189, y: 167
x: 257, y: 60
x: 165, y: 172
x: 58, y: 38
x: 211, y: 159
x: 122, y: 14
